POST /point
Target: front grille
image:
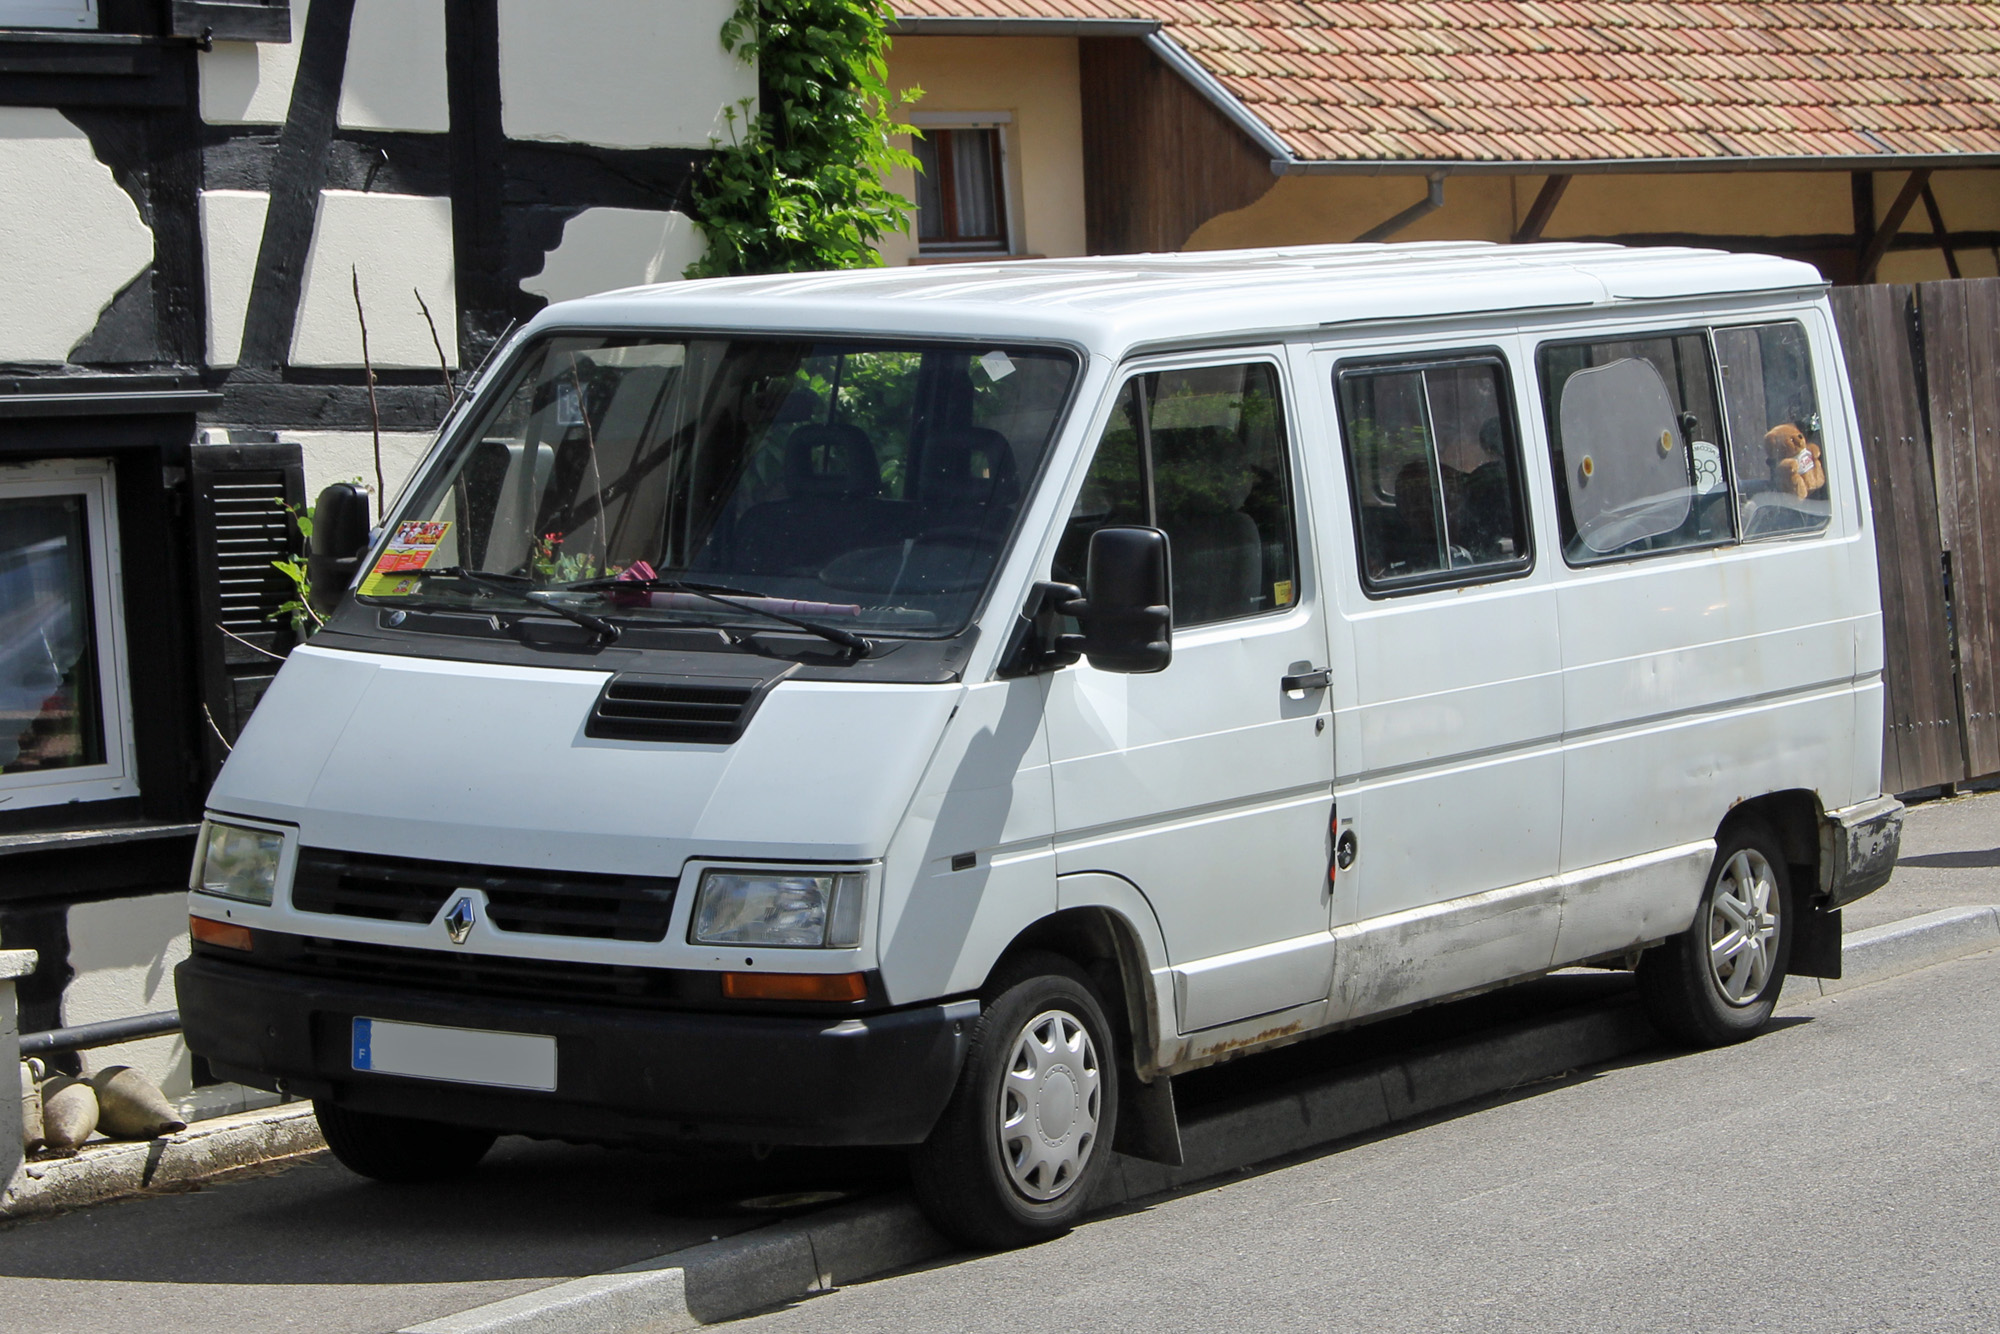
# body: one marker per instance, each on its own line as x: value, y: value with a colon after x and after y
x: 543, y: 903
x: 475, y: 974
x: 638, y: 708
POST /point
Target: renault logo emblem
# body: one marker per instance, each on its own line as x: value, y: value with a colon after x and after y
x: 458, y: 922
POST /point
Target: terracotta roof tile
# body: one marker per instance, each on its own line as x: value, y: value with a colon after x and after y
x: 1558, y: 79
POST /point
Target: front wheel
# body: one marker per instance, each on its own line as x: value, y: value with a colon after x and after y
x: 397, y: 1148
x: 1028, y: 1130
x: 1718, y: 981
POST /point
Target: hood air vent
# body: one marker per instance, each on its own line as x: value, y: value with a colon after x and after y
x: 665, y: 708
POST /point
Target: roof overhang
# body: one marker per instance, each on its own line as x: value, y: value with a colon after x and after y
x: 1289, y: 166
x: 978, y: 27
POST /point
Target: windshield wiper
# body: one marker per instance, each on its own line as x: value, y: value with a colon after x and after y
x: 726, y: 596
x: 513, y: 586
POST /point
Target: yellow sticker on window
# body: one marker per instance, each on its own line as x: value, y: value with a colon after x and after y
x: 1281, y: 593
x: 408, y: 551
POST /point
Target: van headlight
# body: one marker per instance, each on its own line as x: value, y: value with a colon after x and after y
x: 781, y: 909
x: 238, y: 862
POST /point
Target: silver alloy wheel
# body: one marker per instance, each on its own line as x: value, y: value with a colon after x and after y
x: 1050, y: 1101
x: 1743, y: 927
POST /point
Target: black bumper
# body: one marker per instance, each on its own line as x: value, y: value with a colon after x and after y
x: 1858, y: 849
x: 622, y: 1075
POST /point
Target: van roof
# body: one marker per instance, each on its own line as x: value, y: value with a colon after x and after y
x: 1113, y: 303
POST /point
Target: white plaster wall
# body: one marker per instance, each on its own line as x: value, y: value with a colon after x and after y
x: 232, y: 227
x: 623, y: 73
x: 400, y: 244
x: 124, y: 953
x: 607, y: 248
x: 347, y: 456
x: 250, y: 83
x: 69, y: 237
x: 395, y: 67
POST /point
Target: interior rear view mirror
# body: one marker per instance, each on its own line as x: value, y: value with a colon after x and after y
x: 339, y: 541
x: 1124, y: 615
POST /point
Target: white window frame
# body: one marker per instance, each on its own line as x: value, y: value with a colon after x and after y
x: 118, y: 776
x: 1002, y: 123
x: 48, y: 14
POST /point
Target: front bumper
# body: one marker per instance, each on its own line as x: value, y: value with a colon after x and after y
x: 1858, y: 849
x: 622, y: 1075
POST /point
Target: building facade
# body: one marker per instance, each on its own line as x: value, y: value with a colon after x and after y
x: 1864, y: 139
x: 201, y: 204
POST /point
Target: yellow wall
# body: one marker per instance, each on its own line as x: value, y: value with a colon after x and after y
x: 1306, y: 209
x: 1035, y: 78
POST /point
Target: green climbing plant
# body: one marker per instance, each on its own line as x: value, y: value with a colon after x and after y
x: 802, y: 184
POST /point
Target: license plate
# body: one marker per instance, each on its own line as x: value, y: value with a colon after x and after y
x: 456, y: 1055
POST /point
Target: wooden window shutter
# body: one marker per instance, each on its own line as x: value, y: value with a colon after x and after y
x: 241, y: 526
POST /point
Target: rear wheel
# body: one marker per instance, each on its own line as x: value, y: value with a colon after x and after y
x: 1718, y: 982
x: 397, y: 1148
x: 1028, y: 1130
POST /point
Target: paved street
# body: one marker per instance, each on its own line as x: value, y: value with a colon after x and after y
x: 1839, y: 1171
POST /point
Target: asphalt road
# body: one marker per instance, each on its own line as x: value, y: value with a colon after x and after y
x: 1839, y: 1173
x: 1802, y: 1177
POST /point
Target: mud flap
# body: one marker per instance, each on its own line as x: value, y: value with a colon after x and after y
x: 1816, y: 944
x: 1148, y: 1126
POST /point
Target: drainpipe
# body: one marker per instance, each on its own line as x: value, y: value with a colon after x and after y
x: 1430, y: 203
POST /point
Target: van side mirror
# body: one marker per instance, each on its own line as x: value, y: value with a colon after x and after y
x: 1124, y: 613
x: 339, y: 541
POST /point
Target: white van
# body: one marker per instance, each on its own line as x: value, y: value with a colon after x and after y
x: 931, y: 707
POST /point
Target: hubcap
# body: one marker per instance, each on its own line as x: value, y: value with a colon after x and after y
x: 1049, y: 1105
x: 1743, y: 927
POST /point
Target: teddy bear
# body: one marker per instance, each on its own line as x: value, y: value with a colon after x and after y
x: 1795, y: 461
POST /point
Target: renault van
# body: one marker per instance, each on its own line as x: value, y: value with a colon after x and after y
x: 935, y: 707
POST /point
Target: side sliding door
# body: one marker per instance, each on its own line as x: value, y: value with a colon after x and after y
x: 1452, y: 773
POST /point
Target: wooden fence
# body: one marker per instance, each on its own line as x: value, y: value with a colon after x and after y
x: 1925, y: 364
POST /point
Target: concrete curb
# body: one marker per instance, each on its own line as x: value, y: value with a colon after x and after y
x: 733, y: 1277
x: 1901, y: 947
x: 108, y: 1169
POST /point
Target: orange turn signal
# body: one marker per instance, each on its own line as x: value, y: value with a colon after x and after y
x: 228, y: 935
x: 795, y: 986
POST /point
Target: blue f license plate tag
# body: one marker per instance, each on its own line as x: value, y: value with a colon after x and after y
x: 456, y: 1055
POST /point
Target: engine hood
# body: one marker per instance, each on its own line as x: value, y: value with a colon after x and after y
x: 486, y: 763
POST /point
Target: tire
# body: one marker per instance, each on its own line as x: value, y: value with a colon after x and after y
x: 1028, y: 1130
x: 398, y: 1149
x: 1718, y: 983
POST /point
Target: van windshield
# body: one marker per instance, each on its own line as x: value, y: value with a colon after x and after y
x: 867, y: 486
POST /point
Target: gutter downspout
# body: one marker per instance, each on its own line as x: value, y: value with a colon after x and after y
x: 1430, y: 203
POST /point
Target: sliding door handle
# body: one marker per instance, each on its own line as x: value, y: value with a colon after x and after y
x: 1317, y: 679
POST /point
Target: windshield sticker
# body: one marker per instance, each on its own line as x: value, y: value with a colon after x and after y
x: 997, y: 365
x: 408, y: 551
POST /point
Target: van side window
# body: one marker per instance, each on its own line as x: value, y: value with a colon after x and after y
x: 1633, y: 428
x: 1435, y: 472
x: 1199, y: 453
x: 1774, y: 429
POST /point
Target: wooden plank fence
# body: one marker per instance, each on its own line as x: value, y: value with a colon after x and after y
x: 1925, y: 366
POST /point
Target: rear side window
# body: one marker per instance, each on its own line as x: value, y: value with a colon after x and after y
x: 1199, y: 453
x: 1633, y: 435
x: 1434, y: 468
x: 1775, y: 440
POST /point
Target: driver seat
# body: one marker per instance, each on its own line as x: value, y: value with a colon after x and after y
x: 968, y: 483
x: 832, y: 478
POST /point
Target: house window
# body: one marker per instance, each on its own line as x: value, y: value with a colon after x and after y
x: 48, y: 13
x: 65, y: 720
x: 961, y: 190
